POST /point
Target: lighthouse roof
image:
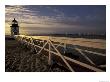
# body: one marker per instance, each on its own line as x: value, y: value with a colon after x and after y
x: 14, y: 20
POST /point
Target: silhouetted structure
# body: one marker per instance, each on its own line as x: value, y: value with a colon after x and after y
x: 14, y: 28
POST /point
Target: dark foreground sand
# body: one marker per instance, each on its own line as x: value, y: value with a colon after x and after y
x: 18, y: 58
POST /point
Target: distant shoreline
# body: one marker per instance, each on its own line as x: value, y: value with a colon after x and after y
x: 88, y: 36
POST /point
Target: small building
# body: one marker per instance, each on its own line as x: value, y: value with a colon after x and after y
x: 14, y: 28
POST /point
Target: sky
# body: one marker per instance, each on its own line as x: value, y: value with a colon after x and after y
x: 60, y: 19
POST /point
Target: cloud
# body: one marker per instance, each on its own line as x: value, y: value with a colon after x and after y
x: 49, y: 18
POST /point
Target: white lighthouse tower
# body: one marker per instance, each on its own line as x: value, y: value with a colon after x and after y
x: 14, y: 28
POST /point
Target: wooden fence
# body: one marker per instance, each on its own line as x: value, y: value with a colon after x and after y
x: 52, y: 45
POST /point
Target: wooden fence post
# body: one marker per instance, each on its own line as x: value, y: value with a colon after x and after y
x: 50, y: 55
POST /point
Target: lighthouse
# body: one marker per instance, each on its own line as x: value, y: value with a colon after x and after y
x: 14, y: 28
